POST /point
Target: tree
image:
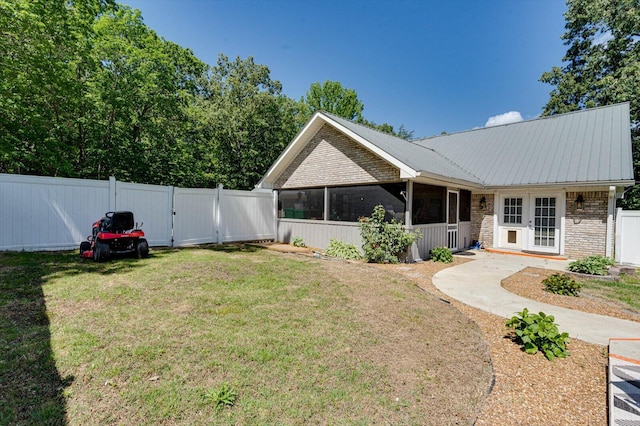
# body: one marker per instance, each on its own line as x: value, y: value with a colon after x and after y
x: 244, y: 121
x: 601, y: 66
x: 331, y: 97
x: 140, y: 93
x: 44, y: 46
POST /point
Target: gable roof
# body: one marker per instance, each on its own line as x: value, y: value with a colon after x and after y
x: 584, y: 147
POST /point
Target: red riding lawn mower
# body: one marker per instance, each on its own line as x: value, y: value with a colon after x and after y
x: 115, y: 234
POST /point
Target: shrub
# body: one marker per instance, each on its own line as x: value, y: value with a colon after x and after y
x: 343, y: 250
x: 298, y: 242
x: 441, y: 254
x: 561, y: 284
x: 593, y: 265
x: 384, y: 241
x: 538, y: 332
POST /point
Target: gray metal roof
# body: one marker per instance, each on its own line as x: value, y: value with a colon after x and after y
x: 585, y: 146
x: 588, y: 146
x: 418, y: 157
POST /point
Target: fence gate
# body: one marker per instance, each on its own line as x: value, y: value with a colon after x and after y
x: 195, y: 216
x: 151, y: 204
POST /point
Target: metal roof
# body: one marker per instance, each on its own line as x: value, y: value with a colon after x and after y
x: 585, y: 146
x: 418, y: 157
x: 589, y: 147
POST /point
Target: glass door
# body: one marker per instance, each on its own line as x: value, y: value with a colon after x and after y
x: 543, y: 233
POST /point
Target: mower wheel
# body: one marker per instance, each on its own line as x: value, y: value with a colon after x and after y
x: 84, y: 246
x: 142, y: 248
x: 101, y: 251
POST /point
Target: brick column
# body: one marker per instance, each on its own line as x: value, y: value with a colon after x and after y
x: 482, y: 219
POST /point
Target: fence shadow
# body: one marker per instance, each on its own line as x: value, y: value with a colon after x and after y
x: 32, y: 391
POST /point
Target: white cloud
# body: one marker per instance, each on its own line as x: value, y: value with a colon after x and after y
x: 506, y: 118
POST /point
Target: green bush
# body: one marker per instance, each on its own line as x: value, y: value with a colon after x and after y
x: 384, y: 241
x: 343, y: 250
x: 537, y: 332
x: 441, y: 254
x: 593, y: 265
x: 298, y: 242
x: 561, y: 284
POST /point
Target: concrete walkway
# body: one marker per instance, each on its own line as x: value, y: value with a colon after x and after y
x: 477, y: 284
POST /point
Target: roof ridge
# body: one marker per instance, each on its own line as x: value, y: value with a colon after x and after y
x: 532, y: 120
x: 366, y: 126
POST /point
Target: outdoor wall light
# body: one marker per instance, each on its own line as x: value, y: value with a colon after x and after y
x: 483, y: 203
x: 580, y: 202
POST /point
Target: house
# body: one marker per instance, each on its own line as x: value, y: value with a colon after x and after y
x: 547, y: 185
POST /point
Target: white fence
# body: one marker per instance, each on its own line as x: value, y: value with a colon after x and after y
x: 628, y: 237
x: 44, y: 213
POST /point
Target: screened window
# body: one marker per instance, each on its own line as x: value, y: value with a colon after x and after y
x: 512, y: 210
x: 352, y: 202
x: 465, y: 206
x: 429, y: 204
x: 301, y: 204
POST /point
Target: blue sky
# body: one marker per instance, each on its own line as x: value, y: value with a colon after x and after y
x: 431, y: 65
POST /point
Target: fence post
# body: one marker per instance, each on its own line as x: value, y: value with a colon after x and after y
x: 172, y: 212
x: 217, y: 213
x: 112, y: 193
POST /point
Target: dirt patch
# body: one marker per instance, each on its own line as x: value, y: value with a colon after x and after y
x: 528, y: 388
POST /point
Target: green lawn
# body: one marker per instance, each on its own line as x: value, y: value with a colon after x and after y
x: 286, y: 339
x: 626, y: 291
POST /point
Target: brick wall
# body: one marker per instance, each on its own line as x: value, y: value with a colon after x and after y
x: 586, y: 229
x: 331, y: 158
x: 482, y: 220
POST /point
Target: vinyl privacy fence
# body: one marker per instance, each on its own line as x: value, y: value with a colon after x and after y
x: 628, y: 237
x: 45, y: 213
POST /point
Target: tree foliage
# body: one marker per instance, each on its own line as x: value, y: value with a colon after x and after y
x: 601, y: 66
x: 331, y: 97
x: 245, y: 122
x: 88, y: 90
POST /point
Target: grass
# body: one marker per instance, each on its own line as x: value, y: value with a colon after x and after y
x: 229, y: 335
x: 626, y: 291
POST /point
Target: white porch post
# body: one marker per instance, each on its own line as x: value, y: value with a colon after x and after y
x: 408, y: 219
x: 496, y: 212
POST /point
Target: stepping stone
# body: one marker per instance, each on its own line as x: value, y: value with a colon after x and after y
x: 624, y: 382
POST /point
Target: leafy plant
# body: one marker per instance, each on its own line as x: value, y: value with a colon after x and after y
x: 441, y: 254
x: 384, y: 241
x: 538, y: 332
x: 223, y: 396
x: 343, y: 250
x: 593, y: 265
x: 561, y: 284
x: 298, y: 242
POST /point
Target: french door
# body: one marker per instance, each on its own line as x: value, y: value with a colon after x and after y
x: 543, y: 227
